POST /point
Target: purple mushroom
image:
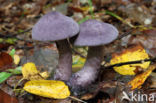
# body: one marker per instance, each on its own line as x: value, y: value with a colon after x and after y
x: 93, y: 34
x: 57, y: 27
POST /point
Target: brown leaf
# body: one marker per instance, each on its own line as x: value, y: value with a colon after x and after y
x: 88, y: 96
x: 139, y: 79
x: 6, y: 98
x: 147, y: 38
x: 4, y: 46
x: 75, y: 9
x: 153, y: 80
x: 6, y: 61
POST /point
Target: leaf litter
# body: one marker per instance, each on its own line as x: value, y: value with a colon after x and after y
x: 18, y: 17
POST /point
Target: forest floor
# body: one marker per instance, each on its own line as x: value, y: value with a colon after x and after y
x: 134, y: 19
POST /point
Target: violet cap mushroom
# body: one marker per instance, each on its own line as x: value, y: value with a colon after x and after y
x: 57, y: 27
x: 93, y: 34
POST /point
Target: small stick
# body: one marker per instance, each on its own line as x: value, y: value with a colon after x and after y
x: 13, y: 35
x: 76, y: 52
x: 131, y: 62
x: 124, y: 34
x: 77, y: 99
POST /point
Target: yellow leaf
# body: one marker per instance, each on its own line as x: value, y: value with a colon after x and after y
x: 86, y: 8
x: 45, y: 75
x: 78, y: 61
x: 140, y: 79
x: 30, y: 72
x: 16, y: 59
x: 48, y: 88
x: 130, y: 54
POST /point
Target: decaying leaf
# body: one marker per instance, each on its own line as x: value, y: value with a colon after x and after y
x: 5, y: 60
x: 147, y: 38
x: 140, y: 79
x: 130, y: 54
x: 4, y: 46
x: 30, y: 72
x: 153, y: 80
x: 48, y: 88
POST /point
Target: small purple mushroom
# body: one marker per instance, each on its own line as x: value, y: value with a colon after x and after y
x: 55, y: 26
x: 94, y: 34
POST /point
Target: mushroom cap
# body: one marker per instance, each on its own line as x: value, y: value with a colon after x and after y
x: 54, y: 26
x: 94, y: 33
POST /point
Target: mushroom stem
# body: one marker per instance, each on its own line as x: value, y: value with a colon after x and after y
x: 90, y: 70
x: 64, y: 69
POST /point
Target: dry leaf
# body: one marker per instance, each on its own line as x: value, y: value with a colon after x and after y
x: 4, y: 46
x: 16, y: 59
x: 48, y: 88
x: 147, y: 38
x: 30, y: 72
x: 45, y: 74
x: 130, y: 54
x: 5, y: 60
x: 140, y: 79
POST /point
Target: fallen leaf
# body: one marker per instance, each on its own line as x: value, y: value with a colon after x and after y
x: 48, y: 88
x: 12, y: 52
x: 17, y: 70
x: 16, y: 59
x: 6, y: 98
x: 6, y: 61
x: 147, y: 38
x: 131, y: 54
x: 4, y: 46
x: 78, y: 61
x: 140, y: 79
x: 88, y: 96
x: 45, y: 75
x: 4, y: 76
x: 75, y: 9
x: 153, y: 80
x: 30, y: 72
x: 10, y: 40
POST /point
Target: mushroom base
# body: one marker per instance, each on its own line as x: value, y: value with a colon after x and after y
x: 87, y: 75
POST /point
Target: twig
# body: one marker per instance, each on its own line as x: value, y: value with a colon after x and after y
x: 76, y: 52
x: 124, y: 34
x: 14, y: 35
x: 77, y: 99
x: 18, y: 83
x: 131, y: 62
x: 119, y: 18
